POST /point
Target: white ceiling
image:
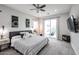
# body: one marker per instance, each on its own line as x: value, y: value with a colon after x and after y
x: 51, y: 9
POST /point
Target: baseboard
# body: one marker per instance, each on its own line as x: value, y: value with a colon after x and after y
x: 76, y: 50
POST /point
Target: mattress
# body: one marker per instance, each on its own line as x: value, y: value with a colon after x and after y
x: 30, y: 46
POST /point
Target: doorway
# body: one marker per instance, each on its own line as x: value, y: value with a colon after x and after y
x: 50, y: 28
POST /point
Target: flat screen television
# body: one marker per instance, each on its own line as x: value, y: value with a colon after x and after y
x: 71, y: 24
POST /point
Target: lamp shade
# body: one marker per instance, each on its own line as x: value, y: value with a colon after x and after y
x: 3, y: 30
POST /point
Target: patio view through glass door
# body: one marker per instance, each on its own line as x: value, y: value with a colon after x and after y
x: 50, y: 28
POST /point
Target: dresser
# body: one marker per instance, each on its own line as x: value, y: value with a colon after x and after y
x: 4, y: 42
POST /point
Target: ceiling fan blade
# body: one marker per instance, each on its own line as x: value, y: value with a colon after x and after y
x: 35, y: 5
x: 32, y: 9
x: 42, y: 9
x: 42, y: 6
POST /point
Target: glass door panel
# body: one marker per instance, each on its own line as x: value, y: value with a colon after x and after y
x: 50, y: 28
x: 53, y: 28
x: 47, y: 28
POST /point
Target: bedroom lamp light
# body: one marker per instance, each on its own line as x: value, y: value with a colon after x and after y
x: 2, y: 31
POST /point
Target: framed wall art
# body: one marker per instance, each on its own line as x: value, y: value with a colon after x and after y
x: 14, y: 21
x: 27, y: 22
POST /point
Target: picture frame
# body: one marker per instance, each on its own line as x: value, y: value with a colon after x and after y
x: 14, y: 21
x: 27, y: 22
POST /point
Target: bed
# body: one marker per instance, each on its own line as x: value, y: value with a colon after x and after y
x: 29, y: 45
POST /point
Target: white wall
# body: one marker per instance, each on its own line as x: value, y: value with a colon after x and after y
x: 5, y: 18
x: 41, y: 24
x: 62, y: 25
x: 75, y: 36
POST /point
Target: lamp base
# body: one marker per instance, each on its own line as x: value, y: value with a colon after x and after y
x: 1, y: 36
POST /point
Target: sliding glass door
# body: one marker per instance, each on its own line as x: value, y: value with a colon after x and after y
x: 50, y: 28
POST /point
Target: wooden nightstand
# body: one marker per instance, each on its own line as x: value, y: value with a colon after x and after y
x: 3, y: 42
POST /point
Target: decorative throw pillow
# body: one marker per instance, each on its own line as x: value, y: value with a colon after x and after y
x: 15, y: 37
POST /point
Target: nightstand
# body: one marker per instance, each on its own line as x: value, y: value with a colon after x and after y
x: 4, y: 42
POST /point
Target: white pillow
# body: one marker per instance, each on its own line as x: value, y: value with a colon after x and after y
x: 30, y: 35
x: 24, y: 37
x: 15, y: 37
x: 26, y: 34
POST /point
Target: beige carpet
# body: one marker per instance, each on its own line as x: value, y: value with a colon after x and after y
x: 54, y: 47
x: 57, y: 47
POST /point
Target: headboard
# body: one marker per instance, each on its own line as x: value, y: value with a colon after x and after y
x: 14, y: 33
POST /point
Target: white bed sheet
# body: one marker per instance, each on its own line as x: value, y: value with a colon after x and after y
x: 30, y: 46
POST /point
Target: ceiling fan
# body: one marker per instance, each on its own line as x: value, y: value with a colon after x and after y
x: 38, y: 7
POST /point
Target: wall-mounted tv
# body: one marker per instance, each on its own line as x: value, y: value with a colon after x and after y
x: 71, y: 22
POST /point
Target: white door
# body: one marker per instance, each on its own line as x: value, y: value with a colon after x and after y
x: 50, y: 28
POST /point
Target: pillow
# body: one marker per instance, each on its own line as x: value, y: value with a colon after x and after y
x: 26, y: 34
x: 15, y: 37
x: 24, y: 37
x: 30, y: 35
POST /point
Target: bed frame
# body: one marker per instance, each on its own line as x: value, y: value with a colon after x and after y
x: 15, y: 33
